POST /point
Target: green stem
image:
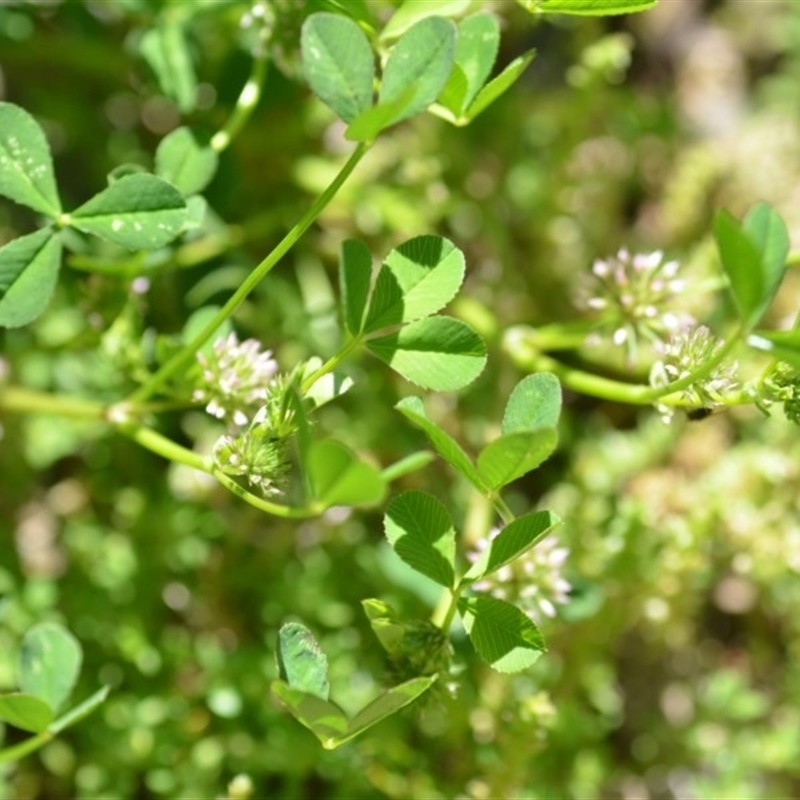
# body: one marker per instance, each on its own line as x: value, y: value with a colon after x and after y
x: 452, y: 607
x: 128, y: 267
x: 161, y: 445
x: 22, y: 749
x: 30, y: 401
x: 330, y: 365
x: 277, y: 510
x: 407, y: 465
x: 793, y: 259
x: 503, y: 510
x: 184, y: 356
x: 560, y: 336
x: 246, y: 102
x: 157, y: 443
x: 526, y: 355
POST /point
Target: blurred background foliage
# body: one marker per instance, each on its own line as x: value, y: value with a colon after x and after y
x: 672, y: 672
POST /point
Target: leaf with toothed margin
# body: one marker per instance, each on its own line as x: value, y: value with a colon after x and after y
x: 140, y: 212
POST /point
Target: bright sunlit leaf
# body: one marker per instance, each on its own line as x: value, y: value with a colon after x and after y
x: 421, y: 532
x: 504, y: 636
x: 339, y: 63
x: 26, y: 166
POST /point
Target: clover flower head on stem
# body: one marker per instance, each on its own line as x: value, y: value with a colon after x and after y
x: 260, y: 452
x: 235, y: 378
x: 685, y: 352
x: 534, y: 582
x: 634, y: 296
x: 782, y: 385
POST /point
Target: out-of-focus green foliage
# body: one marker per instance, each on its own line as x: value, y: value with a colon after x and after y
x: 671, y: 672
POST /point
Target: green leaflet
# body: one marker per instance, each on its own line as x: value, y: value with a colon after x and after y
x: 419, y: 64
x: 421, y: 532
x: 185, y: 161
x: 503, y: 636
x: 50, y: 663
x: 166, y: 50
x: 26, y: 166
x: 304, y: 689
x: 339, y: 477
x: 25, y: 711
x: 301, y: 662
x: 29, y: 268
x: 499, y: 85
x: 446, y: 446
x: 515, y: 454
x: 476, y: 51
x: 418, y: 278
x: 412, y: 11
x: 355, y: 274
x: 140, y: 212
x: 515, y: 539
x: 437, y: 353
x: 534, y: 403
x: 587, y: 7
x: 338, y: 63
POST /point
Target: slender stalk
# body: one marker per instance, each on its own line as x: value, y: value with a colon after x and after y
x: 330, y: 365
x: 161, y: 445
x: 608, y: 389
x: 277, y: 510
x: 184, y: 356
x: 407, y: 465
x: 452, y: 607
x: 22, y: 749
x: 503, y: 510
x: 246, y: 102
x: 157, y: 443
x: 561, y: 336
x: 134, y: 265
x: 30, y: 401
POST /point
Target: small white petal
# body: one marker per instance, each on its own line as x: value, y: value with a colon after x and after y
x: 600, y: 268
x: 546, y: 606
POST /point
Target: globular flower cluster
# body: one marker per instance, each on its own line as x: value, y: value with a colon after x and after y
x: 260, y: 452
x: 782, y: 385
x: 423, y: 649
x: 634, y: 293
x: 685, y: 352
x: 534, y: 582
x: 240, y: 384
x: 236, y: 378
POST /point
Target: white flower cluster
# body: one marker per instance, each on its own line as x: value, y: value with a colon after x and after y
x: 634, y: 293
x: 682, y: 354
x: 236, y: 378
x: 534, y: 582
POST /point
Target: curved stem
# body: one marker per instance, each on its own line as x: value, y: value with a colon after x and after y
x: 526, y: 355
x: 16, y: 752
x: 184, y: 356
x: 161, y: 445
x: 246, y: 102
x: 277, y: 510
x: 22, y: 400
x: 407, y: 465
x: 452, y: 607
x: 561, y: 336
x: 349, y: 346
x: 503, y: 510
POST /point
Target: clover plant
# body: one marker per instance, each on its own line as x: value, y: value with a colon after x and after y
x: 373, y: 72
